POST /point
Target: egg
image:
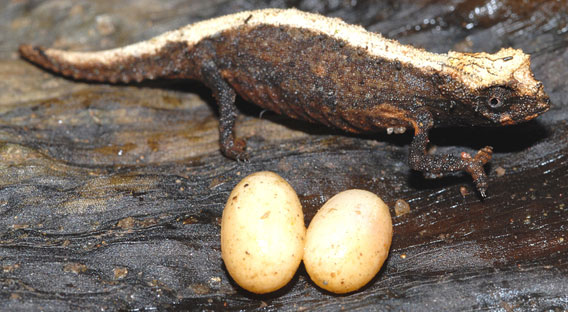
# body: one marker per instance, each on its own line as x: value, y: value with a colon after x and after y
x: 348, y: 241
x: 262, y: 233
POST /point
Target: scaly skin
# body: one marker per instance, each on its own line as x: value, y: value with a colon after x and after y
x: 322, y: 70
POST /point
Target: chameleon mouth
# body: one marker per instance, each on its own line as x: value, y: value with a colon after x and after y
x: 542, y: 106
x: 524, y: 112
x: 543, y: 101
x: 531, y: 116
x: 506, y: 119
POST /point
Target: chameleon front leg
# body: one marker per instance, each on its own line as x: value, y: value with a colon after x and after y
x: 438, y: 165
x: 231, y: 146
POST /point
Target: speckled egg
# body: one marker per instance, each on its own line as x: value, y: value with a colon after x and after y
x: 348, y: 241
x: 262, y: 233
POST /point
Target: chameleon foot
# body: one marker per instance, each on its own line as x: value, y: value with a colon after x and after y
x: 235, y: 149
x: 474, y: 166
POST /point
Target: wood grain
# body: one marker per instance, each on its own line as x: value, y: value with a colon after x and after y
x: 111, y: 196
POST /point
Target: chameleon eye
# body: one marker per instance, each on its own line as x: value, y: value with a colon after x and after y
x: 494, y: 102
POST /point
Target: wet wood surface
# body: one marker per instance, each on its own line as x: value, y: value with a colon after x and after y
x: 111, y: 196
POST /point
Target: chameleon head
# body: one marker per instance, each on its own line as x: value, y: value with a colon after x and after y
x: 499, y: 87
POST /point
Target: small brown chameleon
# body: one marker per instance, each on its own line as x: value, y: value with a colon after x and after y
x: 323, y: 70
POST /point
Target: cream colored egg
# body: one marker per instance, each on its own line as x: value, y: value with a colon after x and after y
x: 348, y: 241
x: 262, y: 233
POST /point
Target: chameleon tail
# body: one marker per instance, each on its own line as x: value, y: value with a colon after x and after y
x: 136, y: 62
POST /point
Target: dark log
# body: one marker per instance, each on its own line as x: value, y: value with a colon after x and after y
x: 111, y: 196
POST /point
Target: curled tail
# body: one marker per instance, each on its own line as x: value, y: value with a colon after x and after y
x: 137, y: 62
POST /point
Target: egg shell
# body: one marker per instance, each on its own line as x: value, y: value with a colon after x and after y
x: 262, y: 233
x: 348, y: 241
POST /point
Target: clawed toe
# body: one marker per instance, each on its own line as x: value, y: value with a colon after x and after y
x: 484, y: 155
x: 236, y: 150
x: 475, y: 169
x: 237, y: 155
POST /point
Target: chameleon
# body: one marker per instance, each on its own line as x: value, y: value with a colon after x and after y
x: 324, y: 70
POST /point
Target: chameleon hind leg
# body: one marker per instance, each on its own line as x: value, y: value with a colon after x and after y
x: 433, y: 166
x: 231, y: 146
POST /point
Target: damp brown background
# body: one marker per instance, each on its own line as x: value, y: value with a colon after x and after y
x: 111, y: 196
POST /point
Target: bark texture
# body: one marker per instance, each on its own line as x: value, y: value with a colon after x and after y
x: 111, y: 196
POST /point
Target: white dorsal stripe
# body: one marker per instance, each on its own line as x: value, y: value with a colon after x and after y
x: 474, y: 70
x: 354, y: 35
